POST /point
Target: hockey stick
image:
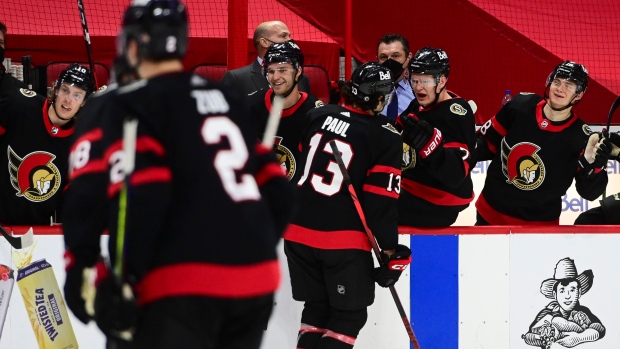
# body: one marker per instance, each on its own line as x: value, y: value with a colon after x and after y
x: 18, y: 242
x: 612, y: 110
x: 87, y: 41
x: 273, y: 121
x: 373, y: 241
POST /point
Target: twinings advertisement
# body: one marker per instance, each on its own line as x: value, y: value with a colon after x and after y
x: 45, y: 306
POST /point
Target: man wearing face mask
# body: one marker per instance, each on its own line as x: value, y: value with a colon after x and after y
x: 393, y: 53
x: 249, y: 79
x: 283, y: 68
x: 7, y: 81
x: 440, y: 141
x: 35, y: 135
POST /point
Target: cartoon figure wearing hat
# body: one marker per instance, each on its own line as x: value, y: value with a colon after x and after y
x: 564, y: 322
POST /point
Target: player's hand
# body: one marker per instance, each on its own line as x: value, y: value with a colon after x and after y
x: 393, y: 266
x: 78, y: 290
x: 421, y: 135
x: 115, y: 309
x: 614, y: 138
x: 598, y: 150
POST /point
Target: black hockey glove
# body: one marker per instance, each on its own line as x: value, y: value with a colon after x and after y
x: 614, y: 138
x: 388, y: 273
x: 596, y: 153
x: 421, y: 136
x: 115, y: 309
x: 77, y: 288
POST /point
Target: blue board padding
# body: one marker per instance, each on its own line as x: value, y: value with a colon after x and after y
x: 435, y: 291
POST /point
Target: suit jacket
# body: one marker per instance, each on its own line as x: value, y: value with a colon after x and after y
x: 250, y: 79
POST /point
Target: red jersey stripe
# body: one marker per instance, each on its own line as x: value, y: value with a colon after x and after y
x: 209, y: 280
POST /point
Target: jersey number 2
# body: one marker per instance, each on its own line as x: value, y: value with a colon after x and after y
x: 227, y: 161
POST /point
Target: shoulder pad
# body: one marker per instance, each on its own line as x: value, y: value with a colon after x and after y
x: 28, y: 93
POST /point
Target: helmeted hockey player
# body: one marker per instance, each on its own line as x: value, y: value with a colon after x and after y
x: 35, y: 135
x: 199, y: 256
x: 283, y: 68
x: 327, y: 249
x: 439, y: 142
x: 538, y: 145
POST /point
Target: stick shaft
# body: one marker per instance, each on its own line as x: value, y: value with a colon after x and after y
x: 373, y: 242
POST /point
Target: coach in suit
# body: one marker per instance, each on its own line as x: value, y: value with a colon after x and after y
x: 250, y: 78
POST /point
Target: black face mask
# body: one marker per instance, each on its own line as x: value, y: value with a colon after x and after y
x: 1, y: 54
x: 395, y: 67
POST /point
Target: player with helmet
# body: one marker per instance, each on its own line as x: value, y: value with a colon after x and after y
x: 283, y: 68
x: 554, y: 143
x: 36, y: 135
x: 328, y: 251
x: 200, y: 279
x: 439, y: 144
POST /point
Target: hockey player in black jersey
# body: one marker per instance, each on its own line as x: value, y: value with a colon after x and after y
x: 439, y: 144
x: 283, y: 68
x: 35, y: 135
x: 327, y: 249
x: 537, y: 146
x: 202, y: 216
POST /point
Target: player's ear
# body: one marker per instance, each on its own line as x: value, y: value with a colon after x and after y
x: 579, y: 96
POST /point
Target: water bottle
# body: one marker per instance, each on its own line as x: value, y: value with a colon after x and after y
x: 506, y: 98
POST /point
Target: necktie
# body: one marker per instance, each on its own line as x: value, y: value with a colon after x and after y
x: 392, y: 110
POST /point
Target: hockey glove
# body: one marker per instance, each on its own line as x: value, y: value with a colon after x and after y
x: 115, y: 309
x: 79, y: 290
x: 598, y: 151
x: 421, y: 136
x: 388, y: 273
x: 614, y: 138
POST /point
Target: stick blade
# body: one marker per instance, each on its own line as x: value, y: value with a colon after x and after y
x: 27, y: 239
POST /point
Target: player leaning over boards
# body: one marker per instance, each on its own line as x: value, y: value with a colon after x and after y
x: 537, y: 146
x: 326, y: 246
x: 200, y: 225
x: 440, y: 141
x: 35, y: 135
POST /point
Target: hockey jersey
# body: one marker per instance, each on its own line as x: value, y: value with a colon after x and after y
x: 443, y: 182
x: 290, y: 128
x: 371, y: 149
x: 34, y: 156
x: 200, y: 197
x: 534, y: 162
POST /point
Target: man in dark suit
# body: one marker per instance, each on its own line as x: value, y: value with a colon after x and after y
x: 250, y: 78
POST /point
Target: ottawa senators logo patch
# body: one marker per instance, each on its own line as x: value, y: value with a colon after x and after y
x: 458, y: 109
x: 409, y: 157
x: 522, y: 166
x: 285, y: 158
x: 35, y: 177
x: 318, y: 104
x: 28, y: 93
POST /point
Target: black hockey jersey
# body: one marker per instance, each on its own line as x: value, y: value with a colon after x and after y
x: 292, y: 124
x: 440, y: 186
x: 371, y: 149
x: 199, y: 205
x: 34, y: 156
x: 535, y: 161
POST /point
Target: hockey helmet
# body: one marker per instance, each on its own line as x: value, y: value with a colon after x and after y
x: 570, y: 71
x: 78, y: 76
x: 158, y: 26
x: 283, y: 52
x: 371, y: 80
x: 430, y: 61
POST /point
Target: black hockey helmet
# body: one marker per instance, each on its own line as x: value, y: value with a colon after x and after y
x: 570, y: 71
x: 283, y: 52
x: 78, y: 76
x: 430, y: 61
x: 371, y: 80
x: 158, y: 26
